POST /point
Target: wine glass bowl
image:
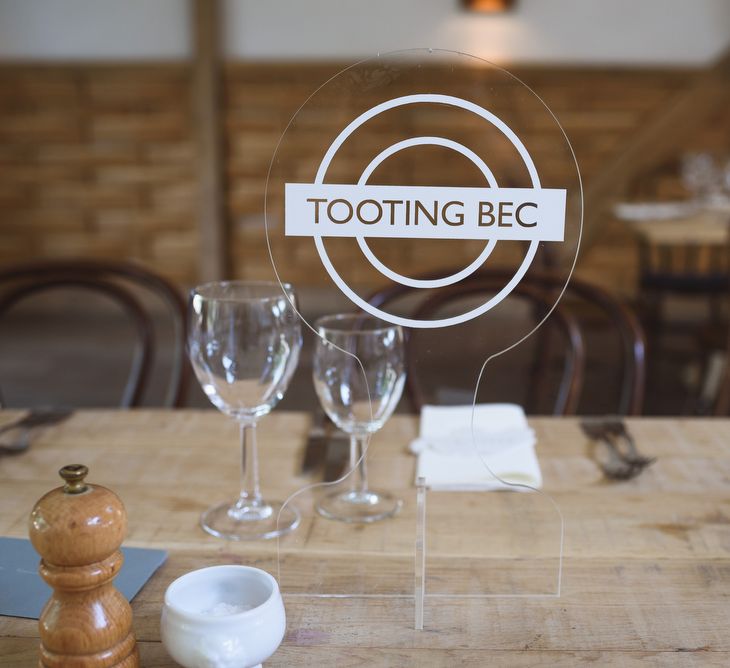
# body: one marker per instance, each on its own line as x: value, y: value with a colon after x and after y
x: 358, y: 374
x: 244, y: 341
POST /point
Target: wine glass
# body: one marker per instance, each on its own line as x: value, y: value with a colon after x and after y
x: 244, y: 343
x: 700, y: 174
x: 358, y: 375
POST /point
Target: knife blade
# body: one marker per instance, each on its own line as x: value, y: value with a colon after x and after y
x: 338, y: 457
x: 316, y: 448
x: 38, y: 418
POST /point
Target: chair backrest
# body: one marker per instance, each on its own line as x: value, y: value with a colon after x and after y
x: 122, y: 283
x: 629, y: 330
x: 573, y: 355
x: 622, y: 319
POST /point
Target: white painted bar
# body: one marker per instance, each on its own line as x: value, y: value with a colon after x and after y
x: 376, y: 211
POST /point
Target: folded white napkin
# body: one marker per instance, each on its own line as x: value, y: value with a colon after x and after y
x: 451, y: 459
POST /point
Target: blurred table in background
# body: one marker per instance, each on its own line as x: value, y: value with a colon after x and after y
x: 683, y: 245
x: 684, y: 252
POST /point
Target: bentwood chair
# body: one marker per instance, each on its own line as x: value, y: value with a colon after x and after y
x: 625, y: 327
x: 129, y: 287
x: 539, y: 302
x: 575, y: 308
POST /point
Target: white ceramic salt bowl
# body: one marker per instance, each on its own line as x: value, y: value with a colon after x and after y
x: 223, y: 617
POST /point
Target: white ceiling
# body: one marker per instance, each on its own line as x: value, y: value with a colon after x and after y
x: 632, y: 32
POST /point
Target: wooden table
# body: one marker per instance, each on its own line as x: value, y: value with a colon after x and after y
x: 694, y: 245
x: 705, y: 228
x: 647, y: 562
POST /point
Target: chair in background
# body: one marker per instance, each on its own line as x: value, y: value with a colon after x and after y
x: 124, y: 284
x: 573, y: 357
x: 626, y: 326
x: 579, y: 295
x: 571, y: 381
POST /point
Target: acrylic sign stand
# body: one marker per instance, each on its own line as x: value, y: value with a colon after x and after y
x: 394, y: 169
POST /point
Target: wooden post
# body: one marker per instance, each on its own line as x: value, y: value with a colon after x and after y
x: 206, y: 90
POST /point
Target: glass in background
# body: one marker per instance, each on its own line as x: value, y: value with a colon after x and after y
x: 359, y: 372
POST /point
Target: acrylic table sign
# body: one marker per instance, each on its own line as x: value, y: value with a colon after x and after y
x: 430, y: 189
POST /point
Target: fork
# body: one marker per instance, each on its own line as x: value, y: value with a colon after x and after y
x: 616, y: 432
x: 622, y: 460
x: 615, y: 467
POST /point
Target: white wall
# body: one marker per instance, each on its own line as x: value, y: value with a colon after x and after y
x: 94, y: 29
x: 681, y: 32
x: 690, y: 32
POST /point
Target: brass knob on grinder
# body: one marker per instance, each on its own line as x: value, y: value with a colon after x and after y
x: 74, y: 475
x: 78, y: 530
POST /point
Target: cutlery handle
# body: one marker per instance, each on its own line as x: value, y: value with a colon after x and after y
x: 17, y: 424
x: 17, y: 446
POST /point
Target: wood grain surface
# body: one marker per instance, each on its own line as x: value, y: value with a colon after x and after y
x: 646, y: 578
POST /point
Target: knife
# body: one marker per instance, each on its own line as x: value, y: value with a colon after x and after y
x: 38, y: 418
x: 26, y: 426
x: 316, y: 447
x: 338, y: 457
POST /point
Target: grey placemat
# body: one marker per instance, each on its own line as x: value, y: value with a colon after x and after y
x: 23, y: 593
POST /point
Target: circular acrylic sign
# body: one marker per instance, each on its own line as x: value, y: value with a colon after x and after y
x: 402, y: 182
x: 320, y: 184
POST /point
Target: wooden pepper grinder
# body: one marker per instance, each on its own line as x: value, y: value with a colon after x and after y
x: 78, y: 529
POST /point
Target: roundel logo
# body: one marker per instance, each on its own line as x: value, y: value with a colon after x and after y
x: 363, y: 211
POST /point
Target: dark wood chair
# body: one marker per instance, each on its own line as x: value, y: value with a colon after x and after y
x: 573, y: 356
x: 123, y: 283
x: 578, y: 294
x: 626, y: 326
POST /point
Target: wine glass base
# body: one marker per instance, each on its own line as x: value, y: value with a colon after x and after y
x: 226, y: 521
x: 367, y: 506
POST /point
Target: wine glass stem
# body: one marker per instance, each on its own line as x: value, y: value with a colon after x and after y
x: 359, y: 480
x: 250, y: 492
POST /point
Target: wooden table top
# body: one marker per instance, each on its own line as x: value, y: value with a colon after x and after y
x: 646, y: 577
x: 703, y: 228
